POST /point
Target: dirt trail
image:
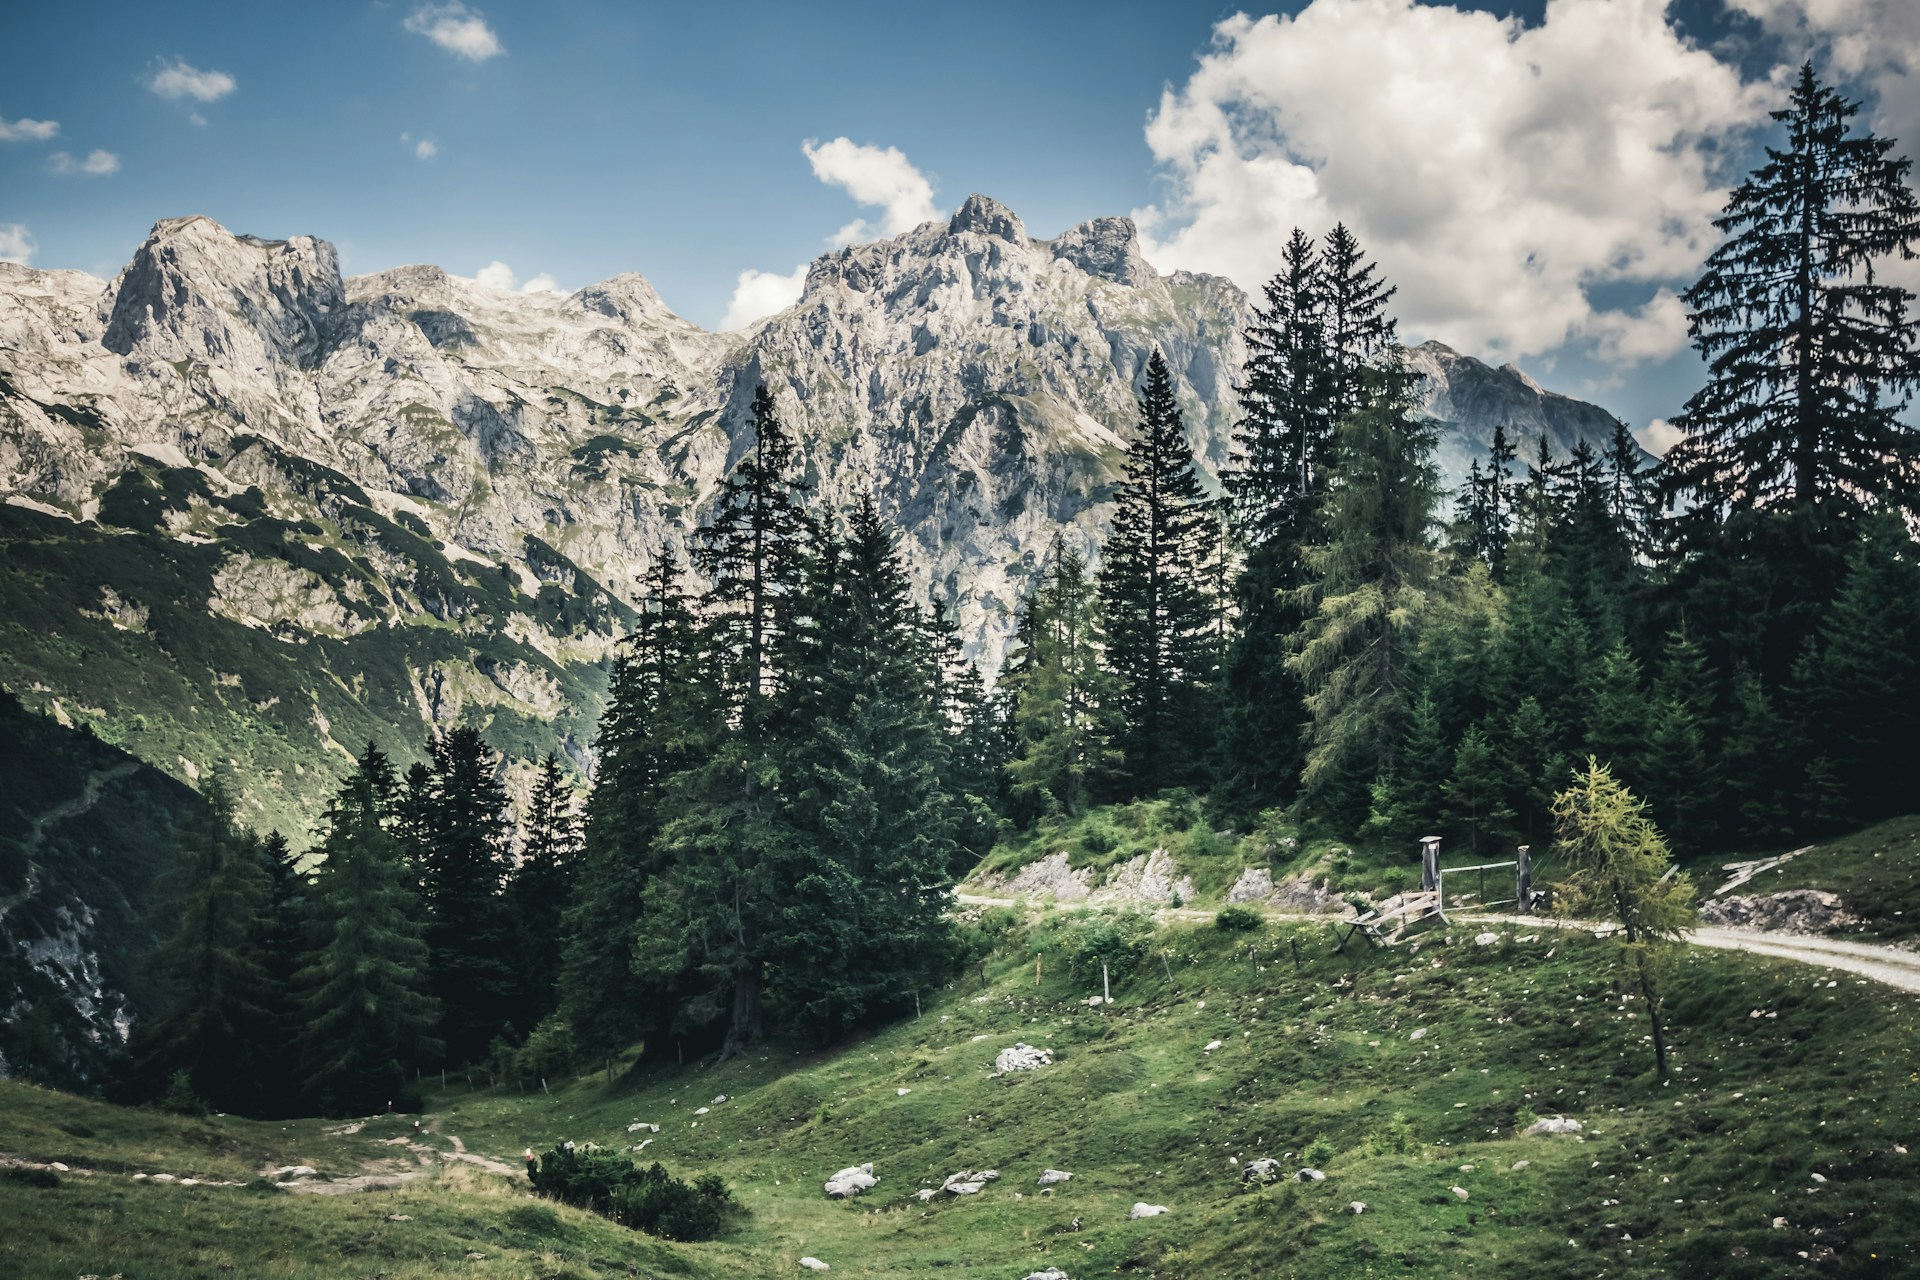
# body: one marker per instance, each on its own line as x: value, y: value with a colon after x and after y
x: 1884, y: 963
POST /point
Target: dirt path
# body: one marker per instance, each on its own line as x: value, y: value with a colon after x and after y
x: 1882, y: 962
x: 1894, y: 966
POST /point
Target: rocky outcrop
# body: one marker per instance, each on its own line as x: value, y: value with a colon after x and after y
x: 1790, y: 911
x: 1303, y: 893
x: 1152, y: 879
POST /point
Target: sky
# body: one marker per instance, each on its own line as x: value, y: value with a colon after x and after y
x: 1539, y: 179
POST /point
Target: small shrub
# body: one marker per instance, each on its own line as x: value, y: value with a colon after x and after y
x: 1318, y: 1153
x: 1238, y: 919
x: 1182, y: 809
x: 180, y: 1097
x: 650, y: 1200
x: 1395, y: 1137
x: 1119, y: 940
x: 1099, y: 838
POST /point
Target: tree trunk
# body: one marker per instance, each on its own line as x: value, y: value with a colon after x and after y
x: 1653, y: 1015
x: 745, y: 1027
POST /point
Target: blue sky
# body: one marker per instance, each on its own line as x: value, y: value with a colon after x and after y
x: 571, y: 141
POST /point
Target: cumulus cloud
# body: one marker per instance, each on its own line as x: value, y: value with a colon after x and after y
x: 457, y: 29
x: 881, y: 177
x: 425, y: 149
x: 1659, y: 436
x: 1496, y: 171
x: 16, y: 243
x: 1875, y: 43
x: 97, y: 164
x: 24, y: 130
x: 498, y: 275
x: 757, y: 294
x: 176, y: 79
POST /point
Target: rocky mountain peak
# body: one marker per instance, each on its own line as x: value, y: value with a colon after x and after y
x: 627, y: 297
x: 195, y: 291
x: 1105, y: 247
x: 983, y: 215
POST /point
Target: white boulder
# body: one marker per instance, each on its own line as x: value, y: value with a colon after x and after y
x: 851, y: 1181
x: 1141, y: 1209
x: 1052, y: 1176
x: 1022, y: 1057
x: 814, y: 1264
x: 1553, y: 1124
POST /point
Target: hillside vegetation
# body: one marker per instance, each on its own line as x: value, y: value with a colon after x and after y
x: 1401, y: 1075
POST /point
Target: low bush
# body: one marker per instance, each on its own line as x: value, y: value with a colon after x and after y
x: 1238, y: 919
x: 650, y: 1199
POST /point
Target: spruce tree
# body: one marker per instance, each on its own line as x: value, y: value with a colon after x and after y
x: 1159, y: 621
x: 1356, y: 327
x: 538, y: 892
x: 216, y: 1018
x: 463, y: 853
x: 1811, y: 350
x: 367, y: 1020
x: 1370, y: 584
x: 1063, y: 711
x: 1285, y: 434
x: 659, y: 717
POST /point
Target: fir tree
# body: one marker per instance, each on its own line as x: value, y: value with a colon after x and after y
x: 1356, y: 327
x: 367, y: 1022
x: 1159, y: 622
x: 1282, y: 442
x: 1811, y: 350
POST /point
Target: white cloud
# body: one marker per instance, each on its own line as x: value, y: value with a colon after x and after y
x: 24, y: 130
x: 1650, y: 334
x: 457, y: 29
x: 1875, y: 43
x: 425, y: 149
x: 98, y: 164
x: 16, y: 243
x: 498, y: 275
x: 176, y: 79
x: 1659, y: 436
x: 1496, y: 171
x: 758, y: 294
x: 877, y: 176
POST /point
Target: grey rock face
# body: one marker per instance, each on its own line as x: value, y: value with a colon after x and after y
x: 1790, y: 911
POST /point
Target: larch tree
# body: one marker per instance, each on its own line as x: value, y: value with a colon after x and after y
x: 1622, y: 868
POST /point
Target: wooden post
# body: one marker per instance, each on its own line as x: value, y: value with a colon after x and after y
x: 916, y: 1006
x: 1523, y: 880
x: 983, y: 975
x: 1106, y: 987
x: 1429, y: 863
x: 1294, y: 943
x: 1036, y: 968
x: 1166, y: 966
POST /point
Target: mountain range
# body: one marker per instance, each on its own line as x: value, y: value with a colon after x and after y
x: 257, y: 514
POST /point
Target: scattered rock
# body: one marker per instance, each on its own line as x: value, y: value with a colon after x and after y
x: 1419, y: 1033
x: 814, y: 1264
x: 1141, y: 1209
x: 1791, y: 911
x: 1051, y: 1273
x: 474, y: 1255
x: 1052, y: 1176
x: 1211, y: 1046
x: 288, y: 1171
x: 167, y: 1177
x: 717, y: 1101
x: 57, y: 1167
x: 638, y: 1125
x: 1309, y: 1175
x: 399, y: 1217
x: 1260, y: 1171
x: 967, y: 1182
x: 1460, y: 1193
x: 927, y: 1193
x: 1518, y: 1165
x: 1552, y: 1124
x: 1022, y: 1057
x: 1356, y: 1206
x: 851, y: 1181
x: 1486, y: 940
x: 1818, y: 1177
x: 700, y: 1111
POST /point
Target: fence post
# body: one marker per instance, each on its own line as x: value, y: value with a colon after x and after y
x: 1429, y: 863
x: 1523, y: 880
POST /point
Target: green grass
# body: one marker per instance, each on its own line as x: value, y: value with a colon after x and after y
x: 1876, y: 872
x: 1322, y: 1059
